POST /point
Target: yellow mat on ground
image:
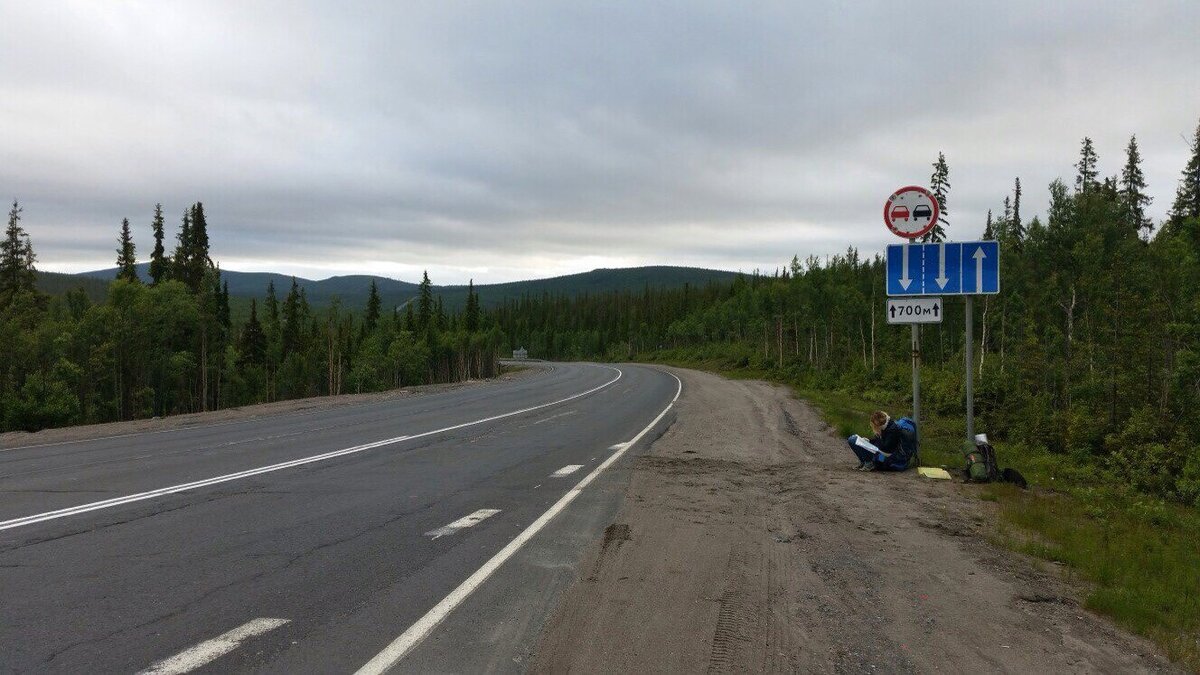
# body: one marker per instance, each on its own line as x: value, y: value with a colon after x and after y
x: 933, y: 472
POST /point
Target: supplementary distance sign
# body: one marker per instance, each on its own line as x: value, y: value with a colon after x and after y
x: 910, y: 212
x: 945, y: 268
x: 914, y: 310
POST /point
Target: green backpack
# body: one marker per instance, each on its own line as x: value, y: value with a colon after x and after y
x: 981, y: 463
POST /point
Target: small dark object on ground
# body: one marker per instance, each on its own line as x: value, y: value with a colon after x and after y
x: 1011, y: 475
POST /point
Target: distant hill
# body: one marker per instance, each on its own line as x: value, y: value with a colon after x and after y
x: 353, y: 289
x: 55, y: 283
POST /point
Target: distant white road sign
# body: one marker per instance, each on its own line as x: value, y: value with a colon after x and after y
x: 914, y: 310
x: 910, y: 212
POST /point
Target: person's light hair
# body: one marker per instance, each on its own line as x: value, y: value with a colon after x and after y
x: 879, y: 420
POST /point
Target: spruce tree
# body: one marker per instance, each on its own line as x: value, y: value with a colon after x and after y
x: 374, y: 307
x: 17, y: 272
x: 126, y: 256
x: 159, y: 264
x: 200, y: 237
x: 180, y: 270
x: 425, y: 304
x: 272, y: 310
x: 1187, y: 196
x: 472, y: 311
x: 223, y: 305
x: 410, y: 321
x: 290, y: 336
x: 988, y: 232
x: 1085, y: 180
x: 1016, y: 229
x: 1133, y: 197
x: 939, y: 184
x: 253, y: 343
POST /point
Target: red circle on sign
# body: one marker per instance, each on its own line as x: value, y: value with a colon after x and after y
x: 933, y: 219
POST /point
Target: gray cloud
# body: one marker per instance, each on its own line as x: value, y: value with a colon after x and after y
x: 505, y: 140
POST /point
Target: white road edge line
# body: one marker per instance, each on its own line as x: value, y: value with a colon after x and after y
x: 201, y: 425
x: 566, y: 471
x: 118, y: 501
x: 402, y: 645
x: 470, y: 520
x: 210, y: 650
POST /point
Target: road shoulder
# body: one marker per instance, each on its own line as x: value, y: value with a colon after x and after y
x: 746, y: 542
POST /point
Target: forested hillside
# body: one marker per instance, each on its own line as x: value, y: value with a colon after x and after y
x: 168, y: 343
x: 352, y: 290
x: 1091, y: 351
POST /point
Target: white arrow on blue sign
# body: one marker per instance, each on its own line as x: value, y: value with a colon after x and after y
x: 946, y: 268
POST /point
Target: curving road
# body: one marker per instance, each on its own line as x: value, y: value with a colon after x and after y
x: 429, y: 533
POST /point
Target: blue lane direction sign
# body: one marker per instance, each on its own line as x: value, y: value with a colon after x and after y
x: 981, y: 267
x: 946, y: 268
x: 904, y: 269
x: 937, y: 272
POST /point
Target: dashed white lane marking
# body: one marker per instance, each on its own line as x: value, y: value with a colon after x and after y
x: 210, y: 650
x: 118, y: 501
x: 569, y: 412
x: 566, y: 471
x: 410, y: 638
x: 470, y: 520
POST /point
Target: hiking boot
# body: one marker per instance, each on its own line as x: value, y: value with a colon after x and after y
x: 867, y: 466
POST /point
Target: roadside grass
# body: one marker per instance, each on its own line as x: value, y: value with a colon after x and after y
x: 1138, y: 556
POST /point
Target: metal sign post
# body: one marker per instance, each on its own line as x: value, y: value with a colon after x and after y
x: 970, y: 370
x: 916, y: 363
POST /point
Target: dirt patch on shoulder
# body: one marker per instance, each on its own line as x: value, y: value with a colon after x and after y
x: 746, y: 542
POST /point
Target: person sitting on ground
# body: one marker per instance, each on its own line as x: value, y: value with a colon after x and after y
x: 894, y: 445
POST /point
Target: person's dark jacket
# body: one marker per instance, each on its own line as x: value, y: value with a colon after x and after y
x: 899, y: 444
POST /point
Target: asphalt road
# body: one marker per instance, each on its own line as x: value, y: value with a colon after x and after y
x: 310, y: 542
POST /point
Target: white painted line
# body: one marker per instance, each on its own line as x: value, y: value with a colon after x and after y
x: 566, y: 471
x: 470, y: 520
x: 410, y: 638
x: 210, y: 650
x: 118, y: 501
x: 619, y: 446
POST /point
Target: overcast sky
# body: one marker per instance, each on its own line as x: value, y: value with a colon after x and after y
x: 507, y: 140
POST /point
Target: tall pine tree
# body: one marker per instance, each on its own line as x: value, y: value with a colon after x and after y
x: 472, y: 312
x: 1133, y: 197
x: 126, y: 255
x: 1016, y: 229
x: 292, y: 317
x: 939, y: 184
x: 374, y: 308
x: 425, y: 304
x: 1187, y: 196
x: 252, y: 346
x: 1085, y: 180
x: 183, y: 250
x: 17, y: 273
x: 159, y: 264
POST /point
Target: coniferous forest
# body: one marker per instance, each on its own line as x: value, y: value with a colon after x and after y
x: 1090, y: 352
x: 166, y: 345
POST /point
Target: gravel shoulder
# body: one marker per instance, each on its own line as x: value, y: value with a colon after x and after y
x: 746, y: 542
x: 87, y: 432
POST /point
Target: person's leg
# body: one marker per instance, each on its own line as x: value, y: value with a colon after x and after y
x: 864, y: 457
